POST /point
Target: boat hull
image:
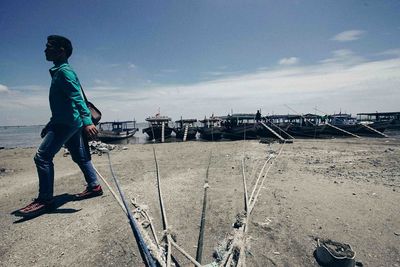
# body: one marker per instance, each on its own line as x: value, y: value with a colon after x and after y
x: 358, y: 129
x: 241, y: 132
x: 191, y: 134
x: 211, y: 134
x: 265, y: 133
x: 155, y: 132
x: 106, y: 136
x: 312, y: 131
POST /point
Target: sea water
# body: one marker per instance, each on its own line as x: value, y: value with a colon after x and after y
x: 29, y: 136
x: 20, y: 136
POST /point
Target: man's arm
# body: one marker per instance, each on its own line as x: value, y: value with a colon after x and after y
x: 72, y: 89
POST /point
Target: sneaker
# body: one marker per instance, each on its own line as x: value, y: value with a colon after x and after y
x: 89, y: 193
x: 36, y: 208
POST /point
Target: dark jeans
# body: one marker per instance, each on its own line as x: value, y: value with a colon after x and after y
x: 77, y: 144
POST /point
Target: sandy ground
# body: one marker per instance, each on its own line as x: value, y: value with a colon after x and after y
x: 347, y: 190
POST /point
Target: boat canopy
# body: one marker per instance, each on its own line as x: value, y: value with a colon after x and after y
x: 378, y: 116
x: 210, y: 119
x: 158, y: 119
x: 240, y: 116
x: 186, y: 121
x: 380, y: 113
x: 292, y: 116
x: 116, y: 125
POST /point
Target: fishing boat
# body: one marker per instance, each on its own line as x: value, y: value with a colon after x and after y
x: 268, y: 129
x: 240, y: 126
x: 307, y: 125
x: 374, y: 128
x: 392, y: 117
x: 116, y: 130
x: 210, y: 129
x: 158, y: 127
x: 186, y: 129
x: 342, y: 124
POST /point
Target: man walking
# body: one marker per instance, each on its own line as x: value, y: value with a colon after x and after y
x: 70, y: 125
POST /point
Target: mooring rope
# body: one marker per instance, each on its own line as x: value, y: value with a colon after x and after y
x: 253, y: 201
x: 184, y: 253
x: 148, y: 218
x: 238, y: 242
x: 246, y: 197
x: 170, y: 240
x: 156, y: 248
x: 199, y: 251
x: 259, y: 176
x: 163, y: 213
x: 143, y: 249
x: 111, y: 190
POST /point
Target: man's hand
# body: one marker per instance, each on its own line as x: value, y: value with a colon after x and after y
x: 91, y: 131
x: 44, y: 131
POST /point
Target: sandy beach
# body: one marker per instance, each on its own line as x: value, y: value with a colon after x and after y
x: 346, y: 189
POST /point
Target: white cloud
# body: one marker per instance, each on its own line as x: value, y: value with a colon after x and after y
x: 289, y: 61
x: 391, y: 52
x: 344, y: 82
x: 331, y: 85
x: 347, y: 36
x: 344, y: 56
x: 3, y: 88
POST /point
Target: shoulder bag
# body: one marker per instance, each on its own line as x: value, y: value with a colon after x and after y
x: 95, y: 112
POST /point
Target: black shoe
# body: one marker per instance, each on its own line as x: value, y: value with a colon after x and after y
x: 89, y: 193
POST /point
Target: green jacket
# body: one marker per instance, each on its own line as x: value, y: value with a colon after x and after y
x: 66, y: 101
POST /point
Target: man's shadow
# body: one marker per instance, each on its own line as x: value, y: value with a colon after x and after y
x: 59, y: 201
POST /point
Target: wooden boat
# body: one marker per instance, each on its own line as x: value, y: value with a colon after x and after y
x: 211, y: 129
x: 392, y: 117
x: 187, y: 125
x: 116, y: 130
x: 346, y: 123
x: 340, y: 124
x: 157, y: 125
x: 268, y: 129
x: 299, y: 125
x: 374, y: 128
x: 240, y: 126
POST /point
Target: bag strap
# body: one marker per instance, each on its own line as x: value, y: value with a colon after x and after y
x: 83, y: 93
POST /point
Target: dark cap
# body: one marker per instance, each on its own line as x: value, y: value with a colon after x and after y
x: 61, y: 41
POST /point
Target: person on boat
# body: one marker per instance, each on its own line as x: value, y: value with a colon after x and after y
x: 70, y: 125
x: 258, y: 116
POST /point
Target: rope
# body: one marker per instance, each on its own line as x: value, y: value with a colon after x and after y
x: 340, y: 129
x: 246, y: 197
x: 111, y: 190
x: 163, y: 213
x: 240, y: 234
x: 374, y: 130
x: 148, y: 218
x: 184, y: 253
x: 157, y: 256
x: 143, y: 249
x: 253, y: 201
x: 259, y: 176
x: 280, y: 129
x: 272, y: 131
x: 199, y: 251
x: 170, y: 241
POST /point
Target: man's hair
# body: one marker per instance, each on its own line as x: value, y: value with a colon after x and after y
x: 61, y: 41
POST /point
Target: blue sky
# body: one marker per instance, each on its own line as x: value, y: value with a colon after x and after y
x: 194, y: 58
